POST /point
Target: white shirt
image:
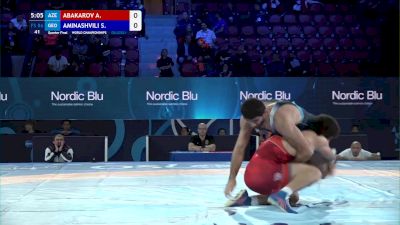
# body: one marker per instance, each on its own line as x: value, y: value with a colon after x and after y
x: 363, y: 155
x: 58, y: 65
x: 208, y: 36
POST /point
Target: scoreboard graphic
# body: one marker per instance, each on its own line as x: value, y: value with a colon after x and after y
x: 85, y: 21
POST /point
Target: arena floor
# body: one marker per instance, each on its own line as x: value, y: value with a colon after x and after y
x: 185, y: 193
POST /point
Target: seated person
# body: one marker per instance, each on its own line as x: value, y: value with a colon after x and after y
x: 202, y: 142
x: 355, y: 129
x: 66, y: 129
x: 58, y: 151
x: 221, y: 132
x: 58, y: 64
x: 29, y: 127
x: 355, y: 152
x: 185, y: 131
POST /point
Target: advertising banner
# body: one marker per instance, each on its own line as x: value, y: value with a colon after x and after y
x: 194, y: 98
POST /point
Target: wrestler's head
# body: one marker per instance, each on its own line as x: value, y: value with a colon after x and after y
x: 325, y: 125
x: 253, y: 110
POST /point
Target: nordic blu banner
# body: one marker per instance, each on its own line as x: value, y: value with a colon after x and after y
x: 194, y: 98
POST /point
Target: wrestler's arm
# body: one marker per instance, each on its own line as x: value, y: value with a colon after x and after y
x: 322, y: 145
x: 285, y: 121
x: 240, y: 147
x: 328, y: 160
x: 238, y: 155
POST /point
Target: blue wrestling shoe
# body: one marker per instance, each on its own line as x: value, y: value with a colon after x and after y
x: 241, y: 199
x: 281, y: 199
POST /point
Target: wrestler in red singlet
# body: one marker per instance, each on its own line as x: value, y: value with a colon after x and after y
x: 268, y: 170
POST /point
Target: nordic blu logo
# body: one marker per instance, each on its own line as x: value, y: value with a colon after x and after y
x: 171, y: 96
x: 264, y: 95
x: 77, y: 96
x: 3, y: 97
x: 357, y: 95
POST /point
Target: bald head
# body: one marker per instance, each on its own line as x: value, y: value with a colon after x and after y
x: 202, y: 129
x: 355, y: 148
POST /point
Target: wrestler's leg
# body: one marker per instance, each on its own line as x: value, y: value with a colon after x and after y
x: 301, y: 175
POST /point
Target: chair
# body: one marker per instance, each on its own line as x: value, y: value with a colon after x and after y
x: 315, y: 8
x: 284, y: 54
x: 305, y: 19
x: 298, y: 43
x: 263, y: 30
x: 330, y: 8
x: 335, y: 56
x: 248, y: 31
x: 95, y: 69
x: 314, y: 43
x: 132, y: 56
x: 319, y: 56
x: 212, y: 7
x: 44, y: 54
x: 341, y: 69
x: 233, y: 31
x: 371, y: 31
x: 115, y: 42
x: 325, y: 31
x: 346, y: 43
x: 289, y: 19
x: 254, y: 55
x: 242, y: 8
x: 320, y: 20
x: 335, y: 19
x: 294, y: 31
x: 325, y: 69
x: 41, y: 69
x: 278, y: 31
x: 349, y: 55
x: 349, y: 19
x: 116, y: 55
x: 356, y: 31
x: 344, y: 8
x: 113, y: 69
x: 275, y: 19
x: 341, y: 32
x: 233, y: 41
x: 330, y: 43
x: 282, y: 43
x: 189, y: 69
x: 309, y: 31
x: 362, y: 55
x: 303, y: 56
x: 131, y: 70
x: 266, y: 42
x: 257, y: 69
x: 131, y: 43
x: 360, y: 43
x: 250, y: 42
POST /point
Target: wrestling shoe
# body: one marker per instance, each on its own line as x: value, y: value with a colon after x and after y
x: 241, y: 199
x: 281, y: 200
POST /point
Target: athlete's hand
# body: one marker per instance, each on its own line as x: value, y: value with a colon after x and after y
x: 229, y: 188
x: 330, y: 167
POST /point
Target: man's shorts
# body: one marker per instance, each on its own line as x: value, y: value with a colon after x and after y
x: 268, y: 170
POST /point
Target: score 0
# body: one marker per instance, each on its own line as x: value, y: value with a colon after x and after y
x: 135, y: 20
